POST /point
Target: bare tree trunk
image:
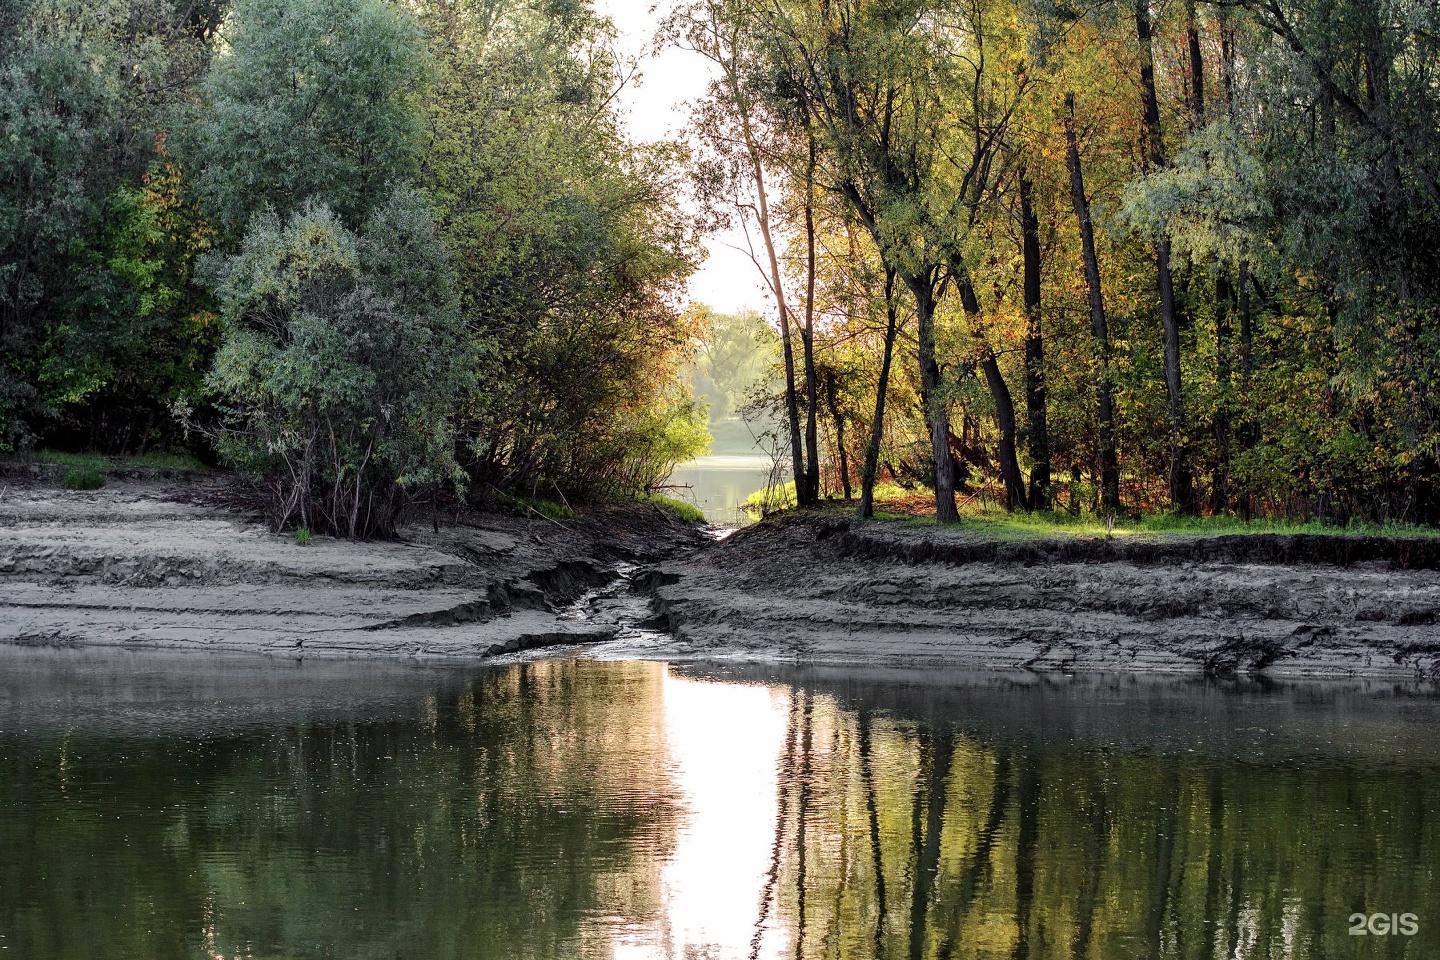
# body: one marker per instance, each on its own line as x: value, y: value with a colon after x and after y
x: 1109, y: 464
x: 833, y: 399
x: 923, y: 289
x: 1180, y: 481
x: 776, y: 278
x: 1220, y: 485
x: 1037, y: 432
x: 877, y: 426
x: 1000, y: 395
x: 1196, y: 65
x: 807, y: 336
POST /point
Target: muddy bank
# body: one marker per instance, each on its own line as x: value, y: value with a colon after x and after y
x: 171, y: 563
x: 817, y: 588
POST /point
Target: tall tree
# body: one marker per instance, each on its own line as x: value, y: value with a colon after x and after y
x: 1109, y: 465
x: 724, y: 32
x: 1181, y: 483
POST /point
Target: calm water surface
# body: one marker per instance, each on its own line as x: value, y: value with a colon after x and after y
x: 719, y: 485
x: 154, y: 807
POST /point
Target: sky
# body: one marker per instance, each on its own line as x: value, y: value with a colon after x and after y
x: 657, y: 107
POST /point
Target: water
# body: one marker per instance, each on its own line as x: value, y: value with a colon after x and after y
x: 720, y: 485
x: 158, y: 807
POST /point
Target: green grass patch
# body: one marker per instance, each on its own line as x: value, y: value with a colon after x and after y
x: 915, y: 508
x: 302, y: 536
x: 770, y: 499
x: 685, y: 511
x: 83, y: 478
x: 73, y: 461
x: 154, y: 460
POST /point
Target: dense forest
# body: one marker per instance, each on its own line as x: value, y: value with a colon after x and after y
x: 368, y: 252
x: 1111, y: 256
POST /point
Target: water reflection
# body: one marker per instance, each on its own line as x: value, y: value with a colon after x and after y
x: 157, y: 807
x: 720, y: 485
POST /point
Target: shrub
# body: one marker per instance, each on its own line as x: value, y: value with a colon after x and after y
x: 341, y: 358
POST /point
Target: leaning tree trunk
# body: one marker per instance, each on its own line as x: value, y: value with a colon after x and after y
x: 1000, y: 395
x: 1180, y: 482
x: 1109, y: 465
x: 807, y: 338
x: 775, y: 279
x: 877, y: 426
x: 1037, y: 434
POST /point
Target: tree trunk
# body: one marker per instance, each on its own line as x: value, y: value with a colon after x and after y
x: 1181, y: 486
x: 877, y: 426
x: 812, y: 441
x: 923, y: 289
x: 1220, y: 485
x: 1109, y: 463
x: 1037, y: 433
x: 1196, y: 65
x: 832, y: 400
x: 776, y: 278
x: 1000, y: 395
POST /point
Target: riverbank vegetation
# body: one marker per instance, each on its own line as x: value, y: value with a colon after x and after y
x: 370, y: 253
x: 1107, y: 260
x: 1110, y: 258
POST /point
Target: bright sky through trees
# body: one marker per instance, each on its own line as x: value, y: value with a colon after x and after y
x: 656, y: 107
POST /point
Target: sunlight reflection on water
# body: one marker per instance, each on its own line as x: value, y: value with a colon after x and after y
x: 162, y: 807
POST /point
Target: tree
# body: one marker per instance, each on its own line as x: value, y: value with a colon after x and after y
x: 310, y: 100
x: 571, y: 250
x: 87, y: 91
x: 341, y: 359
x: 737, y: 177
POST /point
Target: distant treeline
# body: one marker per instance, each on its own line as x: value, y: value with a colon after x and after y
x: 368, y: 251
x: 1111, y: 256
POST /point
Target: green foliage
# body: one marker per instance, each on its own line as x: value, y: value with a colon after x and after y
x: 735, y: 357
x: 95, y: 340
x: 302, y: 537
x: 571, y: 250
x: 83, y: 478
x: 341, y: 359
x: 312, y: 100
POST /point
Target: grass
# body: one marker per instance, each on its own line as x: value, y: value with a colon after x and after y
x: 154, y: 460
x: 302, y: 536
x: 549, y: 509
x: 780, y: 497
x: 915, y: 508
x: 685, y: 511
x: 83, y: 478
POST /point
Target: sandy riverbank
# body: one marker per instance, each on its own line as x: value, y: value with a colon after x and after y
x: 168, y: 563
x: 824, y: 589
x: 174, y: 564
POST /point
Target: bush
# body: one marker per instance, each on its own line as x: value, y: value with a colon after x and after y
x: 341, y: 358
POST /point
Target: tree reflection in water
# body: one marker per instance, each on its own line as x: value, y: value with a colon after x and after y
x: 631, y: 811
x: 1007, y: 820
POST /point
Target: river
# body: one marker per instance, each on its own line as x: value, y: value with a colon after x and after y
x: 155, y: 807
x: 719, y: 485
